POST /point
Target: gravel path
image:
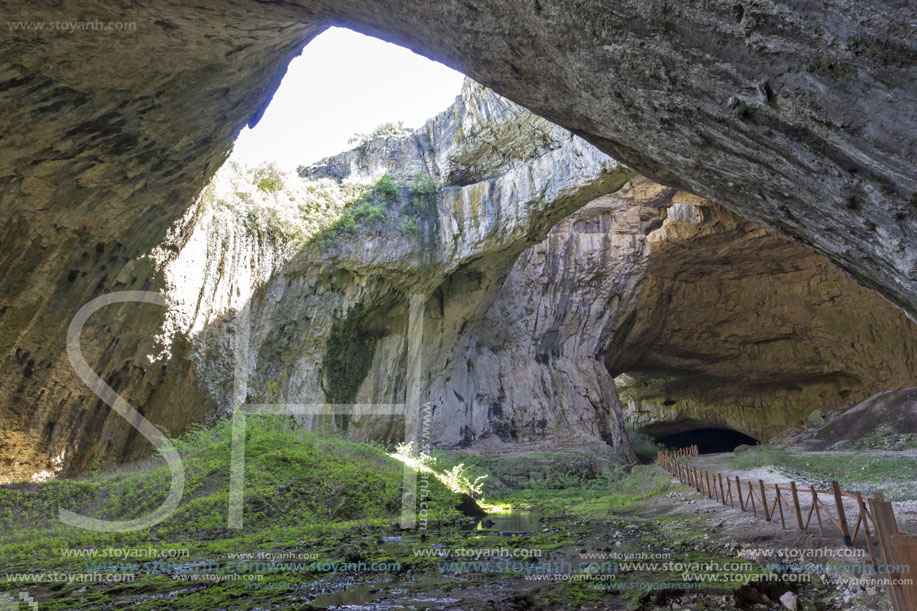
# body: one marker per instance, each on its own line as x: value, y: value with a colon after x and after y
x: 905, y: 510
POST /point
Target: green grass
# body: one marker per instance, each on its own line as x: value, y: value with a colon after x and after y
x: 612, y: 491
x: 557, y: 469
x: 302, y: 489
x: 304, y: 492
x: 854, y: 471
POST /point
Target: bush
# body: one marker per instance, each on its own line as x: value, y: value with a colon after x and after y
x: 643, y: 446
x: 386, y: 189
x: 268, y: 178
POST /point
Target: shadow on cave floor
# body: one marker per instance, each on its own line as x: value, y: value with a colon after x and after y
x: 708, y: 440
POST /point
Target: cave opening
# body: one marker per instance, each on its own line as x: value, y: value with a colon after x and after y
x: 708, y: 440
x: 344, y: 88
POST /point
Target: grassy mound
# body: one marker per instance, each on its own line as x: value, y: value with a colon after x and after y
x: 296, y: 482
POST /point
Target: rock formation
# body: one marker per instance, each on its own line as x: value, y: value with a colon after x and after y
x: 324, y: 308
x: 707, y: 319
x: 796, y: 116
x: 738, y: 328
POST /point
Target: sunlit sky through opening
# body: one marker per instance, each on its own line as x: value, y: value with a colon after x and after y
x: 344, y: 83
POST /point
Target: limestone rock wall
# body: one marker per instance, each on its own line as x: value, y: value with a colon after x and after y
x: 349, y: 302
x: 107, y: 138
x: 531, y: 371
x: 738, y: 328
x: 323, y: 313
x: 798, y: 116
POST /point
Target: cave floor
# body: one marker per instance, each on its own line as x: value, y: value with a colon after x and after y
x: 585, y: 562
x: 637, y: 540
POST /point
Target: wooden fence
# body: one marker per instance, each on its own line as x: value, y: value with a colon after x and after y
x: 798, y: 505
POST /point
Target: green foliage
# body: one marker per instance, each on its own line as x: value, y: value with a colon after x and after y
x: 293, y: 478
x: 407, y: 206
x: 457, y: 478
x: 382, y: 130
x: 613, y: 490
x: 268, y: 178
x: 553, y: 470
x: 423, y: 191
x: 374, y: 206
x: 386, y: 189
x: 643, y: 446
x: 302, y: 490
x: 423, y: 182
x: 366, y: 212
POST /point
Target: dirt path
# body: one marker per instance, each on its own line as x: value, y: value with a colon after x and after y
x: 905, y: 511
x: 730, y: 531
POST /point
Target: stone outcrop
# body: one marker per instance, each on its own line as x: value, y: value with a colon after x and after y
x: 884, y: 421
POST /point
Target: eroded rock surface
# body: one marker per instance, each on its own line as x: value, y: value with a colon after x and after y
x: 797, y: 116
x: 323, y: 309
x: 331, y: 326
x: 738, y: 328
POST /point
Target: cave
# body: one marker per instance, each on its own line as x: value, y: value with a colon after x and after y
x: 699, y: 228
x: 787, y: 138
x: 708, y: 440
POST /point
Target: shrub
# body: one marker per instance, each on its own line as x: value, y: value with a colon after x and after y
x: 386, y: 189
x: 268, y: 178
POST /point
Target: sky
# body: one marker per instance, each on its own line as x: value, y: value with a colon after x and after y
x: 344, y: 83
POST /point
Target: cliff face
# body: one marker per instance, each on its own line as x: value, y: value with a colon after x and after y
x: 316, y: 273
x: 533, y: 365
x: 348, y: 301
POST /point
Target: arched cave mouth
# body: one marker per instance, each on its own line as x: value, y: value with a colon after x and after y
x: 299, y: 128
x: 708, y: 440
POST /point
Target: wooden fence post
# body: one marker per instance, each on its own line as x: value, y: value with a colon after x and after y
x: 841, y: 514
x: 905, y: 550
x: 722, y: 493
x: 767, y: 514
x: 864, y: 518
x: 883, y: 517
x: 796, y: 505
x: 751, y: 498
x: 779, y: 503
x: 817, y: 512
x: 739, y: 492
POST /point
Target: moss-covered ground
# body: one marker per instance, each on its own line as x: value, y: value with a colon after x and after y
x: 321, y: 528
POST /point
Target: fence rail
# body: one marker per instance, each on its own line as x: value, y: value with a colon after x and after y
x: 788, y: 501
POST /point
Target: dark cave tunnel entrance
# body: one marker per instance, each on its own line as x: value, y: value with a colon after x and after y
x: 708, y: 440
